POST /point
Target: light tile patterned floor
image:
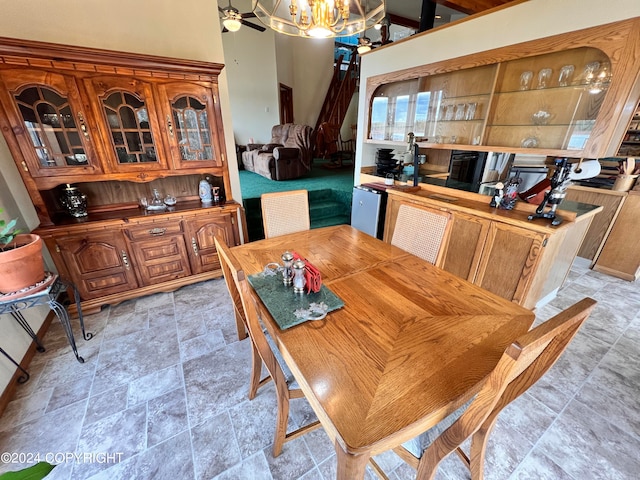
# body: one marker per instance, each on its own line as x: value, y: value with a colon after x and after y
x: 165, y: 386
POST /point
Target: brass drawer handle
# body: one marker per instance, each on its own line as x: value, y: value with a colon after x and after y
x: 157, y: 231
x: 194, y: 244
x: 125, y: 259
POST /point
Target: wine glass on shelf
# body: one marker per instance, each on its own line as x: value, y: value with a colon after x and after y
x: 544, y: 77
x: 470, y: 113
x: 566, y: 74
x: 525, y: 80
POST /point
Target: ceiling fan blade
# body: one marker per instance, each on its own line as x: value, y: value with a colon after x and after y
x: 221, y: 10
x: 253, y: 25
x: 248, y: 15
x: 224, y: 30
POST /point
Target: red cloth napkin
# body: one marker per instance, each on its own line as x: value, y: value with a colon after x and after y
x: 311, y: 275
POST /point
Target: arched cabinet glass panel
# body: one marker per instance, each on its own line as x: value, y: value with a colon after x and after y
x: 444, y: 108
x: 51, y: 126
x: 128, y: 121
x: 549, y: 101
x: 193, y: 123
x: 192, y: 129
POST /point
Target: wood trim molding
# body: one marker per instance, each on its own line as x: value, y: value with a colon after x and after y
x: 50, y: 55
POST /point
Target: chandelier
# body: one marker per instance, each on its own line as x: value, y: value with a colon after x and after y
x: 319, y: 18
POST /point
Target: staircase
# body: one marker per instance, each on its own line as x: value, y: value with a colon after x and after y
x: 339, y: 94
x: 326, y: 208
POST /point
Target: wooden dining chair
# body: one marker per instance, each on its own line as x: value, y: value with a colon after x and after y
x: 422, y: 232
x: 285, y: 212
x: 264, y: 351
x: 523, y: 363
x: 228, y: 273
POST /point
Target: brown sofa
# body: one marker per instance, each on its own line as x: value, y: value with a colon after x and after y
x: 288, y: 154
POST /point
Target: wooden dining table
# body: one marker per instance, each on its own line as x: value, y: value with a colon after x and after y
x: 411, y: 344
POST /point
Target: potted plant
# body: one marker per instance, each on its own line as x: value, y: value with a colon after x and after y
x: 21, y: 262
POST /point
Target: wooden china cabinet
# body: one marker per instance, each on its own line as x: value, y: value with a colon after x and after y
x: 119, y: 127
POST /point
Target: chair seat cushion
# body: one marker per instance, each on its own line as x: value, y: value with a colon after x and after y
x: 418, y: 444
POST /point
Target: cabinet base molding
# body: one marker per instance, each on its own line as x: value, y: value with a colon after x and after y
x: 615, y: 273
x: 95, y: 305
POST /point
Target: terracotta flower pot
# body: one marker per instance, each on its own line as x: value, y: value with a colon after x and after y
x: 22, y: 266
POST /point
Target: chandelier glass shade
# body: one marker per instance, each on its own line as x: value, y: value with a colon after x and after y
x: 319, y: 18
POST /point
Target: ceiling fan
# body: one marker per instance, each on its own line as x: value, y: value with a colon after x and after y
x: 232, y: 19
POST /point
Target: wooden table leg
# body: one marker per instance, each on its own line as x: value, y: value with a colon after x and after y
x: 350, y: 467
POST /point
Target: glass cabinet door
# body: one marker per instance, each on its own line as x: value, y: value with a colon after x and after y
x: 448, y: 108
x: 191, y: 116
x: 130, y: 122
x: 55, y: 139
x: 549, y: 101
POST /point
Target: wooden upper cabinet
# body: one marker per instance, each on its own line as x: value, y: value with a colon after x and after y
x: 129, y: 126
x: 571, y: 95
x: 190, y: 113
x: 49, y: 122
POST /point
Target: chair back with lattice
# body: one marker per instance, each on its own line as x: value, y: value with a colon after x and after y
x: 422, y: 232
x: 285, y: 212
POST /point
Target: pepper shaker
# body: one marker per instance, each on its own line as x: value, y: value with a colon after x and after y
x: 298, y: 279
x: 287, y: 273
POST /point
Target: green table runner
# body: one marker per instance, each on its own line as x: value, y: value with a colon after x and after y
x: 288, y: 308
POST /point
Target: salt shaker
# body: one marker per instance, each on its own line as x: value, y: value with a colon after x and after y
x: 287, y: 273
x: 298, y: 279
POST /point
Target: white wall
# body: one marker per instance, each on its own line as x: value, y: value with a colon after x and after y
x: 313, y: 69
x: 187, y: 29
x: 519, y: 23
x: 257, y: 62
x: 253, y: 79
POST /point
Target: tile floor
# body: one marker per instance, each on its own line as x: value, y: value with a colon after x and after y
x: 165, y: 382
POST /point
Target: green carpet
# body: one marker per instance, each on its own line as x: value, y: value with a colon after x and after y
x: 319, y: 178
x: 330, y: 194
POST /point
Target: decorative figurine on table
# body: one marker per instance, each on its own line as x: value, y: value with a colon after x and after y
x: 298, y: 276
x: 74, y: 201
x: 508, y: 200
x: 559, y: 183
x: 497, y: 195
x: 287, y: 272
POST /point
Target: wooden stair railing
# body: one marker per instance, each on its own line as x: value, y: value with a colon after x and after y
x: 339, y: 94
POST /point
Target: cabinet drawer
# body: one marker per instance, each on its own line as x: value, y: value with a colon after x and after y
x: 161, y: 259
x: 154, y: 230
